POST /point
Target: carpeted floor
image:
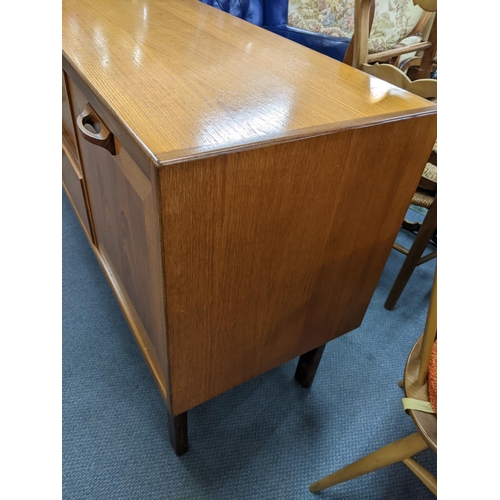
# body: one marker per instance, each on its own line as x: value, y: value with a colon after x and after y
x: 267, y: 439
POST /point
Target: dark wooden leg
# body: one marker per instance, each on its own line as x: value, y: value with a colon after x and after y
x: 178, y: 433
x: 308, y: 365
x: 421, y: 241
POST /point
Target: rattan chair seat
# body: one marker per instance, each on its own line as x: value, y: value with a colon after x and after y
x: 422, y: 199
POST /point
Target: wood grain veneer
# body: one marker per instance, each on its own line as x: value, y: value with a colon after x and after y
x: 125, y: 223
x: 270, y: 253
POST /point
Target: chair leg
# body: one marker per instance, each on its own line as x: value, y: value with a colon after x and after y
x: 423, y: 474
x: 388, y: 455
x: 421, y: 241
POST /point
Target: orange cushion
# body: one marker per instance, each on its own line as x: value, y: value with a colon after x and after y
x: 432, y: 377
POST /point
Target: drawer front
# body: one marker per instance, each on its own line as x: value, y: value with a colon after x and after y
x: 73, y: 182
x: 68, y: 130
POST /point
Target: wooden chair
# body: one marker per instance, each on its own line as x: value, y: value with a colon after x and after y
x: 424, y: 87
x: 426, y: 232
x: 416, y: 386
x: 423, y: 53
x: 424, y: 62
x: 426, y: 193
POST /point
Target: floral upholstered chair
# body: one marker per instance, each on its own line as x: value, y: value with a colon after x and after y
x: 396, y: 23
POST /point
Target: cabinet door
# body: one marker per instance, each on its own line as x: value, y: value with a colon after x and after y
x: 122, y: 200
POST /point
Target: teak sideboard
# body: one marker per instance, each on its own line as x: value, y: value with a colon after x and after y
x: 241, y: 192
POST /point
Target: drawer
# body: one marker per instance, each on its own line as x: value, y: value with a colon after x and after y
x: 68, y: 129
x: 75, y: 188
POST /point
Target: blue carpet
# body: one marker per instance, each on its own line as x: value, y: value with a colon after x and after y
x: 267, y: 439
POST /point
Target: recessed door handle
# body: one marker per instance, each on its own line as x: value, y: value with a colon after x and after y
x: 93, y: 129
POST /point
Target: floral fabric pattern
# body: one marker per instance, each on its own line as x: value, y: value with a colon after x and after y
x: 392, y: 22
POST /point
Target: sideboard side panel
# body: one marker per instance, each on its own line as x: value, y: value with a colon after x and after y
x: 275, y: 251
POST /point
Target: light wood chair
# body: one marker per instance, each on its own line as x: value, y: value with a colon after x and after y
x: 423, y: 62
x: 417, y: 60
x: 417, y: 405
x: 371, y: 63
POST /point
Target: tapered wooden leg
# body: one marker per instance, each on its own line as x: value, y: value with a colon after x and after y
x: 178, y: 433
x: 308, y: 365
x: 388, y: 455
x: 421, y: 241
x: 423, y: 474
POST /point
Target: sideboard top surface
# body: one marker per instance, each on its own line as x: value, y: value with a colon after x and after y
x: 187, y: 80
